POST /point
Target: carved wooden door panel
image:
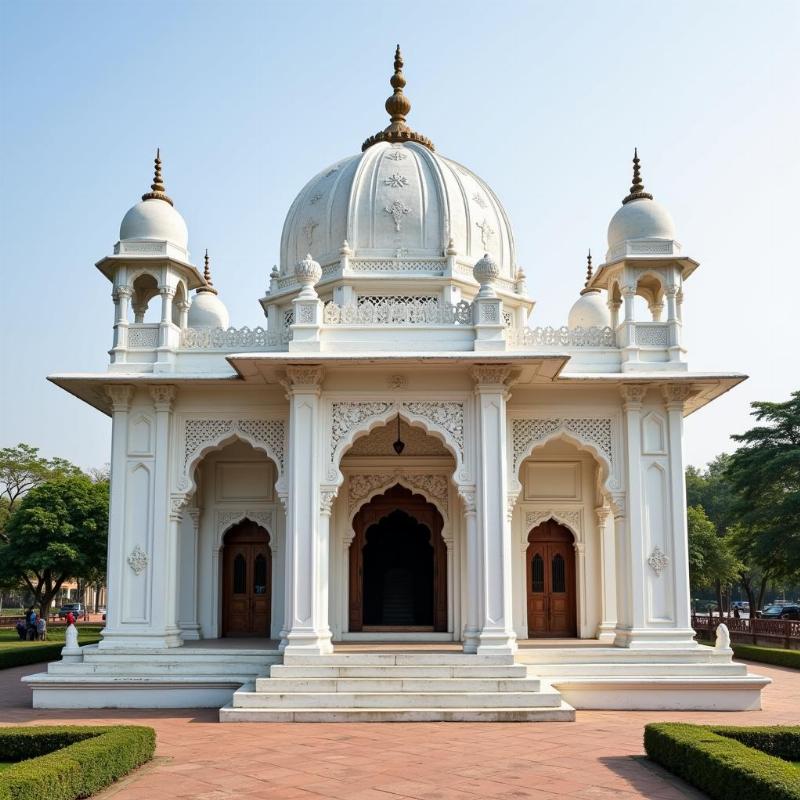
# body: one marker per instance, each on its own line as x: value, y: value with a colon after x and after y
x: 551, y: 581
x: 246, y: 581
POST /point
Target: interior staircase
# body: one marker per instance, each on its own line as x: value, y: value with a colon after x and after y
x: 397, y: 687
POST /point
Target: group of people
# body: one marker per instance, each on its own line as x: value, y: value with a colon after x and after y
x: 33, y: 628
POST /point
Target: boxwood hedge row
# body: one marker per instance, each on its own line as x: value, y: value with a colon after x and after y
x: 70, y: 762
x: 33, y: 653
x: 727, y: 762
x: 768, y: 655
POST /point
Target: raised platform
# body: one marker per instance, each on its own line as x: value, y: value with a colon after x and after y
x: 397, y: 687
x: 399, y: 681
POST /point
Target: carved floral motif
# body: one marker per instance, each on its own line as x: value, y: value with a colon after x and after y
x: 138, y: 560
x: 526, y: 433
x: 397, y: 210
x: 396, y: 181
x: 658, y: 560
x: 571, y: 516
x: 362, y: 486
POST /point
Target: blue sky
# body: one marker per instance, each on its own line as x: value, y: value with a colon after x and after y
x: 247, y: 100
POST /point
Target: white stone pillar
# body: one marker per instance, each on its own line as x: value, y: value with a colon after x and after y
x: 470, y: 634
x: 190, y: 628
x: 608, y: 598
x: 166, y: 518
x: 306, y: 556
x: 673, y: 324
x: 675, y: 396
x: 120, y: 396
x: 122, y: 297
x: 630, y: 538
x: 307, y: 326
x: 622, y: 571
x: 495, y: 617
x: 168, y: 333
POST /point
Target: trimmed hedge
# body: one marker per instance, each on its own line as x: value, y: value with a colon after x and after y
x: 70, y: 762
x: 33, y: 653
x: 768, y: 655
x: 728, y: 762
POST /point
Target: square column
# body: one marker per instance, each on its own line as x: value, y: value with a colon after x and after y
x: 306, y: 552
x: 470, y: 633
x: 608, y: 598
x: 494, y: 589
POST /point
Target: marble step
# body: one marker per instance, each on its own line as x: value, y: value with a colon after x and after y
x: 400, y: 659
x: 376, y: 684
x: 411, y: 700
x: 563, y: 712
x: 199, y: 668
x: 636, y: 670
x: 177, y: 657
x: 404, y: 671
x: 620, y: 655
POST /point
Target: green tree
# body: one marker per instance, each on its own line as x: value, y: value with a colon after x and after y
x: 58, y: 531
x: 765, y: 473
x: 22, y: 469
x: 712, y: 562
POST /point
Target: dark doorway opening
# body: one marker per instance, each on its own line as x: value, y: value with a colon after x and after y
x: 398, y: 565
x: 246, y: 581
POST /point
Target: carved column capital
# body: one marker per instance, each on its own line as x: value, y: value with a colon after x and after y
x: 633, y: 395
x: 491, y: 375
x: 303, y: 378
x: 618, y: 504
x: 121, y: 292
x: 326, y: 498
x: 676, y: 394
x: 468, y: 497
x: 120, y: 395
x: 163, y: 397
x: 167, y: 291
x: 602, y: 513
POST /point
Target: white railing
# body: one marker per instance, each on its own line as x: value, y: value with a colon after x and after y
x: 560, y: 337
x: 398, y: 312
x: 231, y: 339
x: 143, y: 335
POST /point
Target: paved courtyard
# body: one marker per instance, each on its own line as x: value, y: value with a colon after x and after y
x: 598, y: 756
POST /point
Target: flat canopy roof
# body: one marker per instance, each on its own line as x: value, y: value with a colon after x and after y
x: 266, y: 368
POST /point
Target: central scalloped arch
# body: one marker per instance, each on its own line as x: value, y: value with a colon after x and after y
x: 384, y: 412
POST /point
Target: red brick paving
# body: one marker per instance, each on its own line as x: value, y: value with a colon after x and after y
x: 598, y: 756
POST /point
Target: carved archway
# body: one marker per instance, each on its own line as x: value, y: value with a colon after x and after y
x: 420, y: 515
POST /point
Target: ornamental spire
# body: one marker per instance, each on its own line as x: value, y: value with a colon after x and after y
x: 637, y: 187
x: 398, y: 106
x: 209, y: 286
x: 157, y: 191
x: 589, y: 274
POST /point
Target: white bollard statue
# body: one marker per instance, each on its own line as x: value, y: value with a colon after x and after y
x: 71, y: 650
x: 723, y: 641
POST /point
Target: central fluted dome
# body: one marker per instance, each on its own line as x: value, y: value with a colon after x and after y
x: 397, y: 199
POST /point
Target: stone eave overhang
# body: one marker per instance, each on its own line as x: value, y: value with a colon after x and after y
x: 601, y: 277
x: 707, y: 386
x: 108, y: 264
x: 528, y: 367
x: 89, y: 386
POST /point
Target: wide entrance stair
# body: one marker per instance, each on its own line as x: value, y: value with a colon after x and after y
x: 397, y: 687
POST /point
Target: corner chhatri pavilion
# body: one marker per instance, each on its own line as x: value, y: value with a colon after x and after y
x: 396, y: 500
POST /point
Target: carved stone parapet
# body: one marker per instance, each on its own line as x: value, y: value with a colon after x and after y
x: 163, y: 397
x: 120, y: 395
x: 633, y: 395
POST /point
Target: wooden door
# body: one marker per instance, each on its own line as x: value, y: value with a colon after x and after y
x: 417, y: 507
x: 551, y: 581
x: 246, y: 581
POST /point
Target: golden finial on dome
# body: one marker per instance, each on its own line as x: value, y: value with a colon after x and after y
x: 637, y: 188
x: 398, y: 107
x: 209, y: 285
x: 589, y: 273
x: 157, y: 186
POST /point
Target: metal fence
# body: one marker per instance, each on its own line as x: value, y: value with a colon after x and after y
x: 776, y: 632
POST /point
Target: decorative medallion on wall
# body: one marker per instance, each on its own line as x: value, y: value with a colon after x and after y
x: 658, y: 560
x: 479, y: 200
x: 308, y: 230
x: 487, y: 232
x: 527, y: 433
x: 138, y: 560
x: 396, y: 181
x: 396, y: 155
x: 397, y: 211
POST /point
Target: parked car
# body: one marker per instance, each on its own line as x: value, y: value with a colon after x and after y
x: 742, y: 605
x: 75, y: 608
x: 781, y: 612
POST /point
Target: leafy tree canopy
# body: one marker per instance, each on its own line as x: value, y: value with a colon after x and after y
x: 765, y: 474
x: 58, y: 531
x: 711, y: 558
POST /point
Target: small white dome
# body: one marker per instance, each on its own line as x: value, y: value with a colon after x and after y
x: 208, y: 311
x: 155, y: 220
x: 590, y: 311
x: 640, y: 219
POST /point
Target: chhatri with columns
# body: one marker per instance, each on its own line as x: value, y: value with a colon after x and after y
x: 396, y: 461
